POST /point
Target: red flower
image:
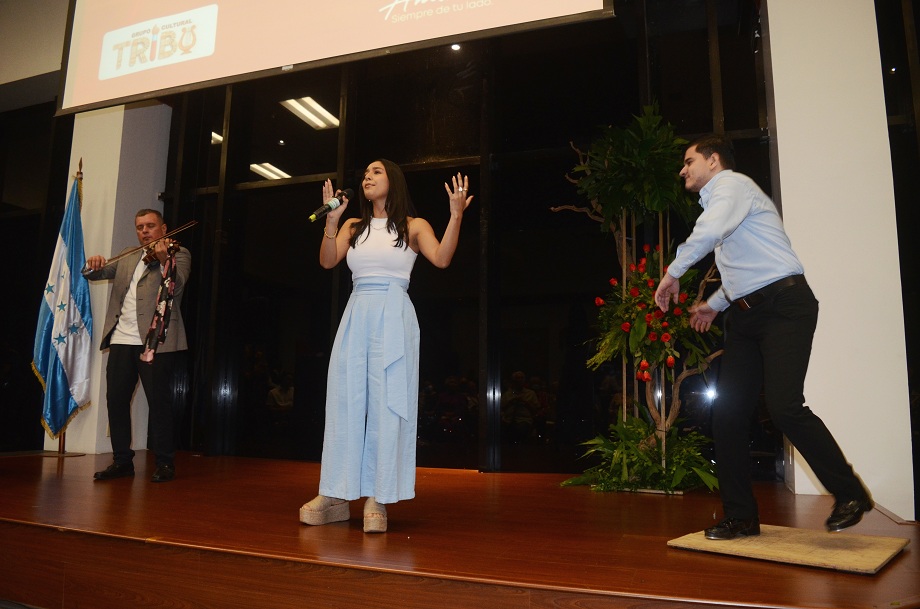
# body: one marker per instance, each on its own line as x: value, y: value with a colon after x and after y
x: 634, y: 292
x: 643, y: 261
x: 665, y: 338
x: 648, y: 318
x: 677, y: 311
x: 646, y: 376
x: 599, y: 301
x: 626, y: 326
x: 659, y: 314
x: 613, y: 281
x: 683, y: 298
x: 642, y: 305
x: 643, y: 365
x: 646, y: 248
x: 632, y: 268
x: 670, y: 361
x: 653, y: 336
x: 651, y: 283
x: 664, y: 324
x: 641, y: 268
x: 657, y: 247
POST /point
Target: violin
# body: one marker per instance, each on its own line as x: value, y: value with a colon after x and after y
x: 150, y: 254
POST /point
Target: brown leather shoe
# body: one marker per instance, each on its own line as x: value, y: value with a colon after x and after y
x: 730, y: 528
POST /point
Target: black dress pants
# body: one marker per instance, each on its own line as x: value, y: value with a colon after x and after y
x: 769, y: 346
x: 122, y: 372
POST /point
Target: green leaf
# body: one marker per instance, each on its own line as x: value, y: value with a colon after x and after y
x: 582, y: 480
x: 708, y: 479
x: 637, y: 334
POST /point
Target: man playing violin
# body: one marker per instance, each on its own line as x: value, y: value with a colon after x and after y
x: 140, y: 279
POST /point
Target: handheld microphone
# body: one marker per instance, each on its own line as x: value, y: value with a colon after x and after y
x: 332, y: 204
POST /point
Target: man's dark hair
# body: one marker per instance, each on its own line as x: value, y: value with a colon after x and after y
x: 144, y: 212
x: 720, y: 144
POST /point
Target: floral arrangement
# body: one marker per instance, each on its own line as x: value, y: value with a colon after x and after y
x: 631, y: 324
x: 652, y: 452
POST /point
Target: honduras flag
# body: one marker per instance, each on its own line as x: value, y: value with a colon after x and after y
x: 63, y: 340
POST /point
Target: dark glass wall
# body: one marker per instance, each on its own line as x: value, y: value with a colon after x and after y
x: 514, y: 313
x: 34, y: 153
x: 900, y: 65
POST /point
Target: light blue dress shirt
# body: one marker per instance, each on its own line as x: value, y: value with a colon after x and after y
x: 742, y: 226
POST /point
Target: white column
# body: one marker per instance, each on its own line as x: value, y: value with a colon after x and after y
x: 832, y: 158
x: 124, y: 151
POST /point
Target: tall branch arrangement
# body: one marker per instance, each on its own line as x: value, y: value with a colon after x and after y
x: 630, y: 176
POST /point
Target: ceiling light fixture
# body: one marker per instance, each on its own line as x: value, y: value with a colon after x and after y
x: 216, y: 139
x: 309, y: 111
x: 268, y: 171
x: 455, y: 47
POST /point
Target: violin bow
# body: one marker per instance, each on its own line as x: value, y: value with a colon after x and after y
x: 149, y: 245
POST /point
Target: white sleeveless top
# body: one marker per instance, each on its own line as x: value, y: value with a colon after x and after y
x: 376, y: 256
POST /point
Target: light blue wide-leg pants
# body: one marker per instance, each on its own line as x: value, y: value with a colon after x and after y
x: 369, y: 443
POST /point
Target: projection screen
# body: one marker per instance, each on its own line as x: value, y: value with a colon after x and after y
x: 128, y: 50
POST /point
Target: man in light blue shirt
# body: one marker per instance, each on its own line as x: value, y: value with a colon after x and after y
x: 771, y: 315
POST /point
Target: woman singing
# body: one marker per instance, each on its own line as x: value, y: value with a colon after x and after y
x: 372, y: 394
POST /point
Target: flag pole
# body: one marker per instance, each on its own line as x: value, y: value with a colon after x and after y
x: 62, y: 439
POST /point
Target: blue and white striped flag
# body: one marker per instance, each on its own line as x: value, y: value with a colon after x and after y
x: 62, y: 353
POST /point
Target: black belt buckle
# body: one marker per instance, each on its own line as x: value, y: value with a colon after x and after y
x: 755, y: 298
x: 749, y: 301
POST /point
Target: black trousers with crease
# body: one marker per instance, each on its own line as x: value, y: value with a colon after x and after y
x: 122, y: 372
x: 769, y: 346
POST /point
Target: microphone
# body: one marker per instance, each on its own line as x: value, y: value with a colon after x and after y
x: 332, y: 204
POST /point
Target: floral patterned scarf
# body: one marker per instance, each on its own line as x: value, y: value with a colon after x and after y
x: 160, y: 323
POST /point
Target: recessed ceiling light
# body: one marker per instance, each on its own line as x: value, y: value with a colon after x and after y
x: 268, y: 171
x: 309, y: 111
x: 455, y: 47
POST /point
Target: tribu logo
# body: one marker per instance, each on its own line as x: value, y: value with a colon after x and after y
x: 159, y: 42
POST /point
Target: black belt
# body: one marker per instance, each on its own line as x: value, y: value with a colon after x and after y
x: 755, y: 298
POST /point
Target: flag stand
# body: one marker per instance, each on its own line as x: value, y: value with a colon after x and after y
x: 61, y: 452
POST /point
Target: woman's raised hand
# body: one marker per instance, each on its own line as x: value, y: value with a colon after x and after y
x: 329, y: 193
x: 459, y: 195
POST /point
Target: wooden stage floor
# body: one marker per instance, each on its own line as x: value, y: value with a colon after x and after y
x: 226, y: 533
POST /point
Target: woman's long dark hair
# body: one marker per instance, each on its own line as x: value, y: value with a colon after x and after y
x: 399, y: 207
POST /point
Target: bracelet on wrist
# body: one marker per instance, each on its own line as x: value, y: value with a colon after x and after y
x: 326, y: 235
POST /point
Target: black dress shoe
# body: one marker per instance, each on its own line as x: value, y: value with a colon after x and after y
x: 731, y: 528
x: 115, y: 470
x: 163, y: 473
x: 848, y: 513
